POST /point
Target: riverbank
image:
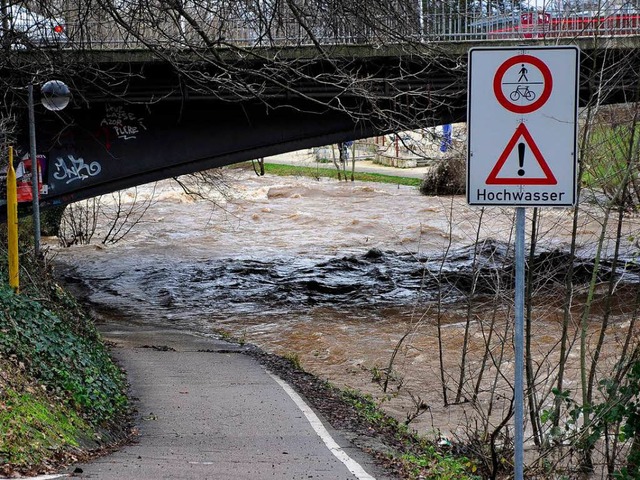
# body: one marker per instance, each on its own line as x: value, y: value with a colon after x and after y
x: 61, y: 396
x: 306, y: 158
x: 287, y: 169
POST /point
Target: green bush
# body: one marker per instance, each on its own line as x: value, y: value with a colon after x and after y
x: 622, y: 409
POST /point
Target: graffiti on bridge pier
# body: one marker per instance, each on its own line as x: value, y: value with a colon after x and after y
x: 124, y: 124
x: 73, y: 169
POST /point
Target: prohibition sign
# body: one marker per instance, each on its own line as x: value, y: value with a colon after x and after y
x: 546, y: 89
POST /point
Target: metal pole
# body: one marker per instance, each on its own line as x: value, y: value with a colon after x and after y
x: 519, y: 348
x: 34, y: 175
x: 12, y: 225
x: 421, y: 21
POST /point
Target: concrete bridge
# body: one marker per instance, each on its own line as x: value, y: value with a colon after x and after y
x: 139, y: 116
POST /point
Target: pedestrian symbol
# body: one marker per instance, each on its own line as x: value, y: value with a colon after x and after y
x: 521, y: 163
x: 523, y: 74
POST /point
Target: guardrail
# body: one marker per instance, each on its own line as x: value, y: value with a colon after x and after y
x: 443, y: 25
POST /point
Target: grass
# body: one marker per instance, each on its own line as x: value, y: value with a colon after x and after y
x: 294, y: 359
x: 59, y: 389
x: 421, y: 458
x: 438, y: 465
x: 608, y: 156
x: 34, y: 427
x: 313, y: 172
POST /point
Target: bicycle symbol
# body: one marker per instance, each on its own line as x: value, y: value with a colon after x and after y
x: 522, y: 91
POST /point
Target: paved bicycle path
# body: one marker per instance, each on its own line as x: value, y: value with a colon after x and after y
x: 206, y: 411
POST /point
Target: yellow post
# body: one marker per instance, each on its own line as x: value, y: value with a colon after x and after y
x: 12, y: 224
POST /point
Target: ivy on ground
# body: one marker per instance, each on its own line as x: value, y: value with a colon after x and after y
x: 77, y: 368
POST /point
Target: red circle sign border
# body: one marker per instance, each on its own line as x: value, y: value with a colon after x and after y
x: 546, y: 92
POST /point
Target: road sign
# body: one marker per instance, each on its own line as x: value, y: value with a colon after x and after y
x: 522, y: 126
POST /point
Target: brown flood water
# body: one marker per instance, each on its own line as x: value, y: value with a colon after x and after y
x: 259, y: 268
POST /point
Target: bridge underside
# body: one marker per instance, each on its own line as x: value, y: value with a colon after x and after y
x: 119, y: 145
x: 155, y: 124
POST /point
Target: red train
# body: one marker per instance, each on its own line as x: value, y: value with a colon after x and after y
x: 544, y: 24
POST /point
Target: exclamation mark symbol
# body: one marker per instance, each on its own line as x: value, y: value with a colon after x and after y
x: 521, y: 147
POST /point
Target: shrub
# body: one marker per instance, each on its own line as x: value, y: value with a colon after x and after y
x: 446, y: 178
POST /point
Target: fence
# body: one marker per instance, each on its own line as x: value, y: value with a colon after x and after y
x: 443, y: 24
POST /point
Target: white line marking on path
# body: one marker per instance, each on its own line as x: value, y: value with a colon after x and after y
x: 353, y: 466
x: 41, y: 477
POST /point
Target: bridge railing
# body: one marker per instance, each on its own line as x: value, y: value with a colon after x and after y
x: 440, y: 25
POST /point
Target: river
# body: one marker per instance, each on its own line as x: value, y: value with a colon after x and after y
x: 335, y: 274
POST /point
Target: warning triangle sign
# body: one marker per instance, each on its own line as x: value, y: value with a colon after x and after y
x: 517, y: 151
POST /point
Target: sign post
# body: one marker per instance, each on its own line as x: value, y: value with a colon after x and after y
x: 522, y: 111
x: 518, y: 349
